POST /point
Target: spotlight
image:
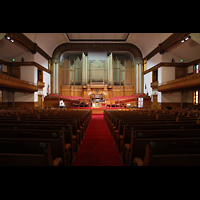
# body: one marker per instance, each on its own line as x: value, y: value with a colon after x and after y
x: 185, y: 39
x: 9, y: 38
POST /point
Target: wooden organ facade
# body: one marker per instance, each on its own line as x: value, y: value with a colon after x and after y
x: 112, y: 77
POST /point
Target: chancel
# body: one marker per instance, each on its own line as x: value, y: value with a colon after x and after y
x: 58, y: 88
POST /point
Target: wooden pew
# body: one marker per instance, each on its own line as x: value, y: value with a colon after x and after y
x: 81, y: 124
x: 150, y: 127
x: 30, y: 159
x: 144, y: 134
x: 164, y: 146
x: 167, y: 159
x: 50, y: 123
x: 41, y: 126
x: 67, y: 142
x: 136, y: 118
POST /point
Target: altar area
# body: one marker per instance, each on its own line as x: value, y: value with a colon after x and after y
x: 97, y: 79
x: 112, y: 74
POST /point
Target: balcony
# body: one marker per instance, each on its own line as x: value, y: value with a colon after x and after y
x: 14, y: 84
x: 187, y: 83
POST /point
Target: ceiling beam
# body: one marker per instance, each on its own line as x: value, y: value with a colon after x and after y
x: 25, y: 41
x: 170, y: 41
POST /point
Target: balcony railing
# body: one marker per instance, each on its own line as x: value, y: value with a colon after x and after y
x: 187, y: 82
x: 40, y: 84
x: 154, y: 85
x: 12, y: 83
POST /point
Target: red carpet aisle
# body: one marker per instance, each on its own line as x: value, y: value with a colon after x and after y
x: 97, y: 148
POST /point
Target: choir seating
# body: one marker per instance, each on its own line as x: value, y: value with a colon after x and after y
x: 133, y: 130
x: 121, y: 101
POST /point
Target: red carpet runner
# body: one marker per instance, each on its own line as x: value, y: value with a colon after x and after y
x: 97, y: 148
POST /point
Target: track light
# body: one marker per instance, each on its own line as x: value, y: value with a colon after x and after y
x: 185, y: 39
x: 9, y: 38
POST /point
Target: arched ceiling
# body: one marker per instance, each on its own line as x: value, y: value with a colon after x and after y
x: 146, y: 42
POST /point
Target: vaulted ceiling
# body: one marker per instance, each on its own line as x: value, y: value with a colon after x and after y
x: 146, y: 42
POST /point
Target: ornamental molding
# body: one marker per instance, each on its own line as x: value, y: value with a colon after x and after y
x: 97, y: 47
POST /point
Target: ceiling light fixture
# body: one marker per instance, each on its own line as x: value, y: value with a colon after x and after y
x: 7, y: 36
x: 185, y: 38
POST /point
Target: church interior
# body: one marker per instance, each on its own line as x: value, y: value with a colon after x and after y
x: 99, y: 99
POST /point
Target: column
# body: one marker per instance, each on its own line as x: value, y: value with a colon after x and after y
x: 54, y: 76
x: 103, y: 73
x: 86, y: 68
x: 83, y: 70
x: 111, y: 70
x: 140, y: 80
x: 142, y: 77
x: 136, y: 76
x: 91, y: 73
x: 108, y: 70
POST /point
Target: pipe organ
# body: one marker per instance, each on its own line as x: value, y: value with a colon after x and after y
x: 114, y: 76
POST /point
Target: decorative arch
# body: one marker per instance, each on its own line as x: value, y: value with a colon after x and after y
x: 138, y: 59
x: 96, y: 47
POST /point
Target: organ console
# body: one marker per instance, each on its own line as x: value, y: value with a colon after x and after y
x: 97, y: 96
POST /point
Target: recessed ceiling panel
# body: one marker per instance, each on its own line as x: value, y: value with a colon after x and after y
x: 97, y: 36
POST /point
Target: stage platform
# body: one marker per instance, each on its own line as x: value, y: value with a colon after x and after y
x: 98, y: 110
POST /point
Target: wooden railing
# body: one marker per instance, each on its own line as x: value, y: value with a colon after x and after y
x: 187, y: 82
x: 40, y: 84
x: 154, y: 85
x: 15, y: 84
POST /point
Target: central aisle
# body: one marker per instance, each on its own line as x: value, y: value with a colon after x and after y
x: 97, y: 148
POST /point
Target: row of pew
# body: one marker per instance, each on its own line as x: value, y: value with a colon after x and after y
x: 41, y: 137
x: 156, y: 137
